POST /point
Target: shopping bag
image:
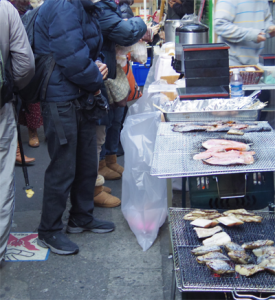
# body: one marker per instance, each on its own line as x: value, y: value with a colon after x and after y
x: 118, y: 89
x: 135, y: 90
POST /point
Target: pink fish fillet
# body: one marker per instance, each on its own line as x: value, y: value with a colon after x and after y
x: 231, y: 158
x: 225, y: 144
x: 221, y: 153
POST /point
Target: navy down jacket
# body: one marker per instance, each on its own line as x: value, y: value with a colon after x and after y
x: 64, y: 29
x: 117, y: 31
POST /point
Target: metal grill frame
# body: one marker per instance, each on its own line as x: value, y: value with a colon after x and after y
x: 174, y: 151
x: 181, y: 237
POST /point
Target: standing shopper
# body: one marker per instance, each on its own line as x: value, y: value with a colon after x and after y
x: 182, y: 7
x: 65, y: 30
x: 14, y: 44
x: 115, y: 30
x: 244, y: 26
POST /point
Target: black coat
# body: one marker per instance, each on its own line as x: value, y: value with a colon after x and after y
x: 186, y: 7
x: 64, y: 29
x: 126, y: 11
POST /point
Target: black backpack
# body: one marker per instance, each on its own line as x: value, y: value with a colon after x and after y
x: 6, y: 83
x: 36, y: 90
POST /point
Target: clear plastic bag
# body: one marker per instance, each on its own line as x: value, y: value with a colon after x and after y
x: 144, y: 197
x: 139, y: 52
x: 121, y: 54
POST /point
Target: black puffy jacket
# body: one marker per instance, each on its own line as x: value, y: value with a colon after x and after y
x: 117, y: 31
x: 126, y: 11
x: 64, y: 29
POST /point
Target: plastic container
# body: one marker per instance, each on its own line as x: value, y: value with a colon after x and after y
x: 141, y: 71
x: 267, y: 59
x: 236, y: 84
x: 269, y: 74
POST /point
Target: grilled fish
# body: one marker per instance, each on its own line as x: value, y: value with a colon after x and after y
x: 266, y: 260
x: 233, y: 247
x: 240, y: 257
x: 206, y: 249
x: 204, y: 223
x: 230, y: 158
x: 264, y: 250
x: 240, y: 211
x: 219, y: 266
x: 191, y: 217
x: 225, y: 144
x: 270, y: 269
x: 203, y: 233
x: 257, y: 244
x: 218, y: 239
x: 230, y: 221
x: 248, y: 219
x: 211, y: 256
x: 248, y: 270
x: 188, y: 128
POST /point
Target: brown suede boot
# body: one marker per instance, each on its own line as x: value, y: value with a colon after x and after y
x: 28, y: 160
x: 107, y: 173
x: 107, y: 189
x: 100, y: 181
x: 33, y: 138
x: 111, y: 162
x: 103, y: 199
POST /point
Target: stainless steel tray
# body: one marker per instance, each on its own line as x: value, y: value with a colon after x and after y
x: 223, y: 115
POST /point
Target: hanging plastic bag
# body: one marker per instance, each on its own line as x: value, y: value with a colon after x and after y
x: 144, y: 197
x: 139, y: 52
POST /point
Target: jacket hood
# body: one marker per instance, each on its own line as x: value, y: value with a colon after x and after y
x: 88, y: 4
x: 110, y: 3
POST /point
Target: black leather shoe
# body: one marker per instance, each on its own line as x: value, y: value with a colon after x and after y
x: 58, y: 242
x: 97, y: 226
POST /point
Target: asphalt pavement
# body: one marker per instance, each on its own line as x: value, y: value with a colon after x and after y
x: 108, y: 267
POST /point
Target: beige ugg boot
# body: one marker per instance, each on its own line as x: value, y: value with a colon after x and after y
x: 103, y: 199
x: 106, y: 172
x: 111, y: 162
x: 100, y: 181
x: 107, y: 189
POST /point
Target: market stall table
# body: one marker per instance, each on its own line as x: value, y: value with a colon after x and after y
x: 173, y: 157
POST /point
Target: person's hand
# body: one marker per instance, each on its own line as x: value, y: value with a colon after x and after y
x: 102, y: 68
x: 261, y: 37
x: 162, y: 35
x: 271, y: 30
x: 171, y: 3
x: 155, y: 29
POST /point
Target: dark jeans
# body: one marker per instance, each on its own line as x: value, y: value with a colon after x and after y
x: 112, y: 132
x: 72, y: 169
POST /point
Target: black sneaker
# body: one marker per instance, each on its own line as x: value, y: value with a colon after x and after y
x: 96, y: 226
x: 58, y: 242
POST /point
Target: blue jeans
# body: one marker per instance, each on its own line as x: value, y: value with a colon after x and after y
x: 112, y: 132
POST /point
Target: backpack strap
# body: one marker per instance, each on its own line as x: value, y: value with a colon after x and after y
x: 57, y: 124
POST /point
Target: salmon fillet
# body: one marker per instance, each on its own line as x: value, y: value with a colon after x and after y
x: 225, y: 144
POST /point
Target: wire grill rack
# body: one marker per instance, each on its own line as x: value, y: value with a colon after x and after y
x: 174, y: 151
x: 192, y: 276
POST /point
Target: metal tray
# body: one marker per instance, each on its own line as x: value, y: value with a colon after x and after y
x: 223, y: 115
x: 191, y: 276
x: 174, y: 151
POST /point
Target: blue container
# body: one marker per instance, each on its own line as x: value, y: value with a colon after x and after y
x: 140, y: 72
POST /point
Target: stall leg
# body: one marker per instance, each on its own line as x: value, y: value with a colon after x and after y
x: 183, y: 191
x: 173, y: 287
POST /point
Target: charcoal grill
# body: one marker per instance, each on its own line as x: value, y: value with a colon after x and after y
x: 191, y: 276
